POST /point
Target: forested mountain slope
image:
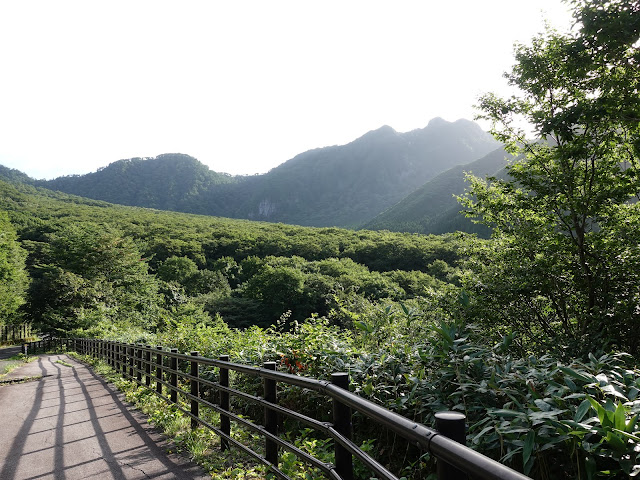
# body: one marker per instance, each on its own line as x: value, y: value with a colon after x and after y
x: 168, y: 182
x: 433, y: 207
x: 343, y: 186
x: 349, y: 185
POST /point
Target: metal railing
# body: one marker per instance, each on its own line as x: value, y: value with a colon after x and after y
x: 157, y: 368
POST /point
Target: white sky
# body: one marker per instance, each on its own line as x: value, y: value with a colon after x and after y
x: 242, y: 85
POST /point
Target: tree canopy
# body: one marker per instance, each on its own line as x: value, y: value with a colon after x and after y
x: 13, y: 277
x: 566, y: 252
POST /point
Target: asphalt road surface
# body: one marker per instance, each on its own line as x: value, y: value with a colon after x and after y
x: 69, y: 424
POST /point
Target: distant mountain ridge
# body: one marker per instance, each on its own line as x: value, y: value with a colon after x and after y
x: 433, y: 208
x: 345, y: 186
x: 350, y: 184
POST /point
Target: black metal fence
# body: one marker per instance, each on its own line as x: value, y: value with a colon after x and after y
x: 168, y: 373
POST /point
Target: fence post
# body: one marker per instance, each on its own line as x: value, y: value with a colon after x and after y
x: 451, y: 425
x: 159, y: 369
x: 270, y: 416
x: 25, y: 349
x: 225, y: 422
x: 342, y: 423
x: 130, y: 360
x: 174, y: 377
x: 123, y: 359
x: 147, y: 367
x: 139, y: 363
x: 195, y: 389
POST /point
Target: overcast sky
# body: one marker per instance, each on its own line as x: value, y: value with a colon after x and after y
x: 241, y: 85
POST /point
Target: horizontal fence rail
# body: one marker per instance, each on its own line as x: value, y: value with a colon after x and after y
x: 169, y: 374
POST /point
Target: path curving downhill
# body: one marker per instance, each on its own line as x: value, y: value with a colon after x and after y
x: 71, y: 425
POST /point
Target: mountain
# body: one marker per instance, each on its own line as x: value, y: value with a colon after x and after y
x: 15, y: 176
x: 343, y: 186
x: 350, y: 184
x: 171, y: 181
x: 433, y: 208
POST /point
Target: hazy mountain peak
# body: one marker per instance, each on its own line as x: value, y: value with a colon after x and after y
x: 437, y: 122
x: 383, y: 131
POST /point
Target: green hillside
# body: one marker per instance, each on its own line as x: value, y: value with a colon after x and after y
x: 433, y: 207
x: 249, y: 272
x: 167, y: 182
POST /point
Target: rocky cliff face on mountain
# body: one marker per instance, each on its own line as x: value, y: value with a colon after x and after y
x: 345, y: 186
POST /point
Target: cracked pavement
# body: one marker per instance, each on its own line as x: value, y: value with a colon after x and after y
x: 71, y: 425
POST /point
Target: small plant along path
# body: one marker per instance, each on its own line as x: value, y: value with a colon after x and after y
x: 70, y: 424
x: 10, y: 359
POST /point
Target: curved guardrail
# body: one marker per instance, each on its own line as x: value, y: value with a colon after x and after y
x: 158, y: 367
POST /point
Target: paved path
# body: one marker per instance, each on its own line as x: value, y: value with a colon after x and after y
x: 71, y: 425
x: 8, y: 352
x: 5, y: 354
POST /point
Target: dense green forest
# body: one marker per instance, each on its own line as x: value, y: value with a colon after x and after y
x: 249, y: 272
x: 533, y: 333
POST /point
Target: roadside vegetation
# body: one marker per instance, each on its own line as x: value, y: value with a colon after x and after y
x: 10, y: 364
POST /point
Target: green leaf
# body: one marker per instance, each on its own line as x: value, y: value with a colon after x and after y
x: 632, y: 424
x: 542, y: 405
x: 583, y: 377
x: 590, y: 467
x: 616, y: 442
x: 368, y: 388
x: 476, y: 439
x: 582, y: 410
x: 600, y: 411
x: 620, y: 417
x: 463, y: 298
x: 360, y: 325
x: 571, y: 384
x: 504, y: 412
x: 529, y: 443
x: 635, y: 438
